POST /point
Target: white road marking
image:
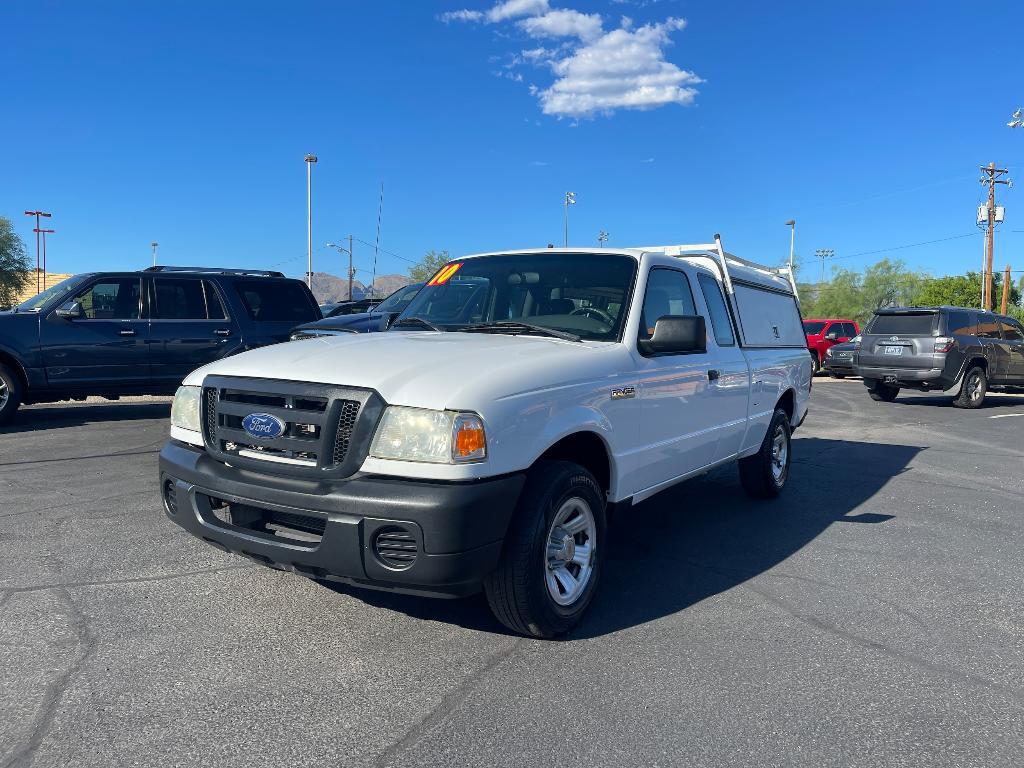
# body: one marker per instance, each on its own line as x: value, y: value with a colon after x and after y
x: 1006, y: 415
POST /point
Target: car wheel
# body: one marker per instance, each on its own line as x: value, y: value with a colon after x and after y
x: 10, y: 394
x: 973, y: 389
x: 553, y: 552
x: 835, y: 375
x: 815, y: 364
x: 764, y: 474
x: 883, y: 393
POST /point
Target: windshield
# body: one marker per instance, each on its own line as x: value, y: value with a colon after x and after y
x: 60, y: 289
x: 904, y: 324
x: 399, y: 300
x: 583, y: 294
x: 813, y: 327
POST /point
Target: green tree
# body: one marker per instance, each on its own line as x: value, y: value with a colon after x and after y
x: 14, y: 266
x: 963, y: 291
x: 429, y: 264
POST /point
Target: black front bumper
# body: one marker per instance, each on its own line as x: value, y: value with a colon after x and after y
x: 457, y: 528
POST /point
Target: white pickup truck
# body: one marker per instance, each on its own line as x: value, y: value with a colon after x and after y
x: 483, y: 441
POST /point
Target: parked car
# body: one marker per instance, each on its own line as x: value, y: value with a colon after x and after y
x: 483, y: 440
x: 129, y: 333
x: 839, y: 358
x: 348, y: 307
x: 939, y: 349
x: 822, y: 334
x: 375, y: 320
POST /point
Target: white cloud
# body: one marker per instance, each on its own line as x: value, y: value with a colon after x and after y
x: 563, y: 23
x: 595, y: 72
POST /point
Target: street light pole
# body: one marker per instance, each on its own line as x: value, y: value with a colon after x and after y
x: 37, y: 230
x: 570, y: 199
x: 154, y: 244
x: 44, y: 233
x: 792, y: 242
x: 602, y: 237
x: 824, y: 253
x: 351, y: 272
x: 310, y: 159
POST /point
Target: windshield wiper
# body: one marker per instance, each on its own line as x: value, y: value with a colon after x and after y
x: 512, y: 326
x: 415, y: 320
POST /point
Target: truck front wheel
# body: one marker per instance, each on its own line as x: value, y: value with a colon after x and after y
x: 764, y: 474
x: 10, y: 394
x: 553, y: 552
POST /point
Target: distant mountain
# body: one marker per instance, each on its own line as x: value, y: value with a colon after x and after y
x: 328, y: 288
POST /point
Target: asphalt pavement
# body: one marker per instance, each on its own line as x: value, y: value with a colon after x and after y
x: 873, y: 616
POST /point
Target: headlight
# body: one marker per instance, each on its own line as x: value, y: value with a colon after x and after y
x: 185, y: 408
x: 437, y: 437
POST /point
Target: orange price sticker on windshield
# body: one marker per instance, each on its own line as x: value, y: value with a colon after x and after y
x: 445, y: 274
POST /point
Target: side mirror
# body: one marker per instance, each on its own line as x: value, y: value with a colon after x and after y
x: 70, y: 311
x: 676, y: 334
x: 832, y: 336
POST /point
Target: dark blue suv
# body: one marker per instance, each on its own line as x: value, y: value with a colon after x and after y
x: 130, y: 333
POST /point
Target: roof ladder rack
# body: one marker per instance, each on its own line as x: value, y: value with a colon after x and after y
x: 217, y: 271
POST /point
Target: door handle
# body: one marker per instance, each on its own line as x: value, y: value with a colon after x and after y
x: 713, y: 375
x: 223, y: 332
x: 127, y: 332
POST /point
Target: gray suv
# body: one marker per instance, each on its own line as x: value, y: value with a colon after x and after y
x: 939, y: 348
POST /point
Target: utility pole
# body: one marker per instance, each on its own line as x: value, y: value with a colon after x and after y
x: 824, y: 253
x: 37, y: 230
x: 351, y: 271
x: 991, y: 176
x: 310, y: 159
x: 1006, y: 290
x: 154, y: 244
x: 570, y: 199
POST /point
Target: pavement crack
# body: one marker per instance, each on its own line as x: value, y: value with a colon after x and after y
x: 448, y: 704
x: 56, y: 689
x: 136, y: 580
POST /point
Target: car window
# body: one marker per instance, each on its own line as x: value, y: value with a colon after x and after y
x: 179, y: 299
x: 214, y: 303
x: 960, y: 324
x: 903, y: 324
x: 1011, y: 329
x: 849, y: 330
x: 812, y: 327
x: 668, y: 293
x: 276, y: 300
x: 988, y: 327
x: 399, y: 300
x: 112, y: 299
x: 720, y: 322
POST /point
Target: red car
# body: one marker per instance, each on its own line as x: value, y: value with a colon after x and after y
x: 822, y: 334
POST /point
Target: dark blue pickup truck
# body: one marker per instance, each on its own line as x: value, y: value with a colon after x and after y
x: 130, y: 333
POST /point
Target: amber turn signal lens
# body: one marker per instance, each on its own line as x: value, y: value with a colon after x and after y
x: 470, y: 442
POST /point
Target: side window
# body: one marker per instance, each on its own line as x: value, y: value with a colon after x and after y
x: 113, y: 299
x: 720, y: 322
x: 1011, y: 329
x: 668, y: 293
x: 179, y: 299
x: 214, y: 305
x: 988, y: 327
x: 959, y: 324
x: 277, y: 301
x: 850, y: 330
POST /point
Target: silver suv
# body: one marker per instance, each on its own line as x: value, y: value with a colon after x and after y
x: 939, y: 349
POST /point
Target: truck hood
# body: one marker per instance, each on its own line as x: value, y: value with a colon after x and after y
x: 426, y: 369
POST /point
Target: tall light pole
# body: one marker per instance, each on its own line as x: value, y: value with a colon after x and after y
x: 154, y: 244
x: 351, y: 271
x: 44, y: 233
x: 570, y: 199
x: 792, y: 242
x: 310, y: 159
x: 602, y: 237
x: 824, y: 253
x: 37, y: 230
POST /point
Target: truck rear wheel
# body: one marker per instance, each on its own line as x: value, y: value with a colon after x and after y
x: 973, y: 389
x: 553, y: 552
x: 764, y: 474
x: 883, y: 393
x: 10, y: 394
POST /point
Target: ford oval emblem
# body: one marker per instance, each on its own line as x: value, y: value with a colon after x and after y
x: 263, y: 425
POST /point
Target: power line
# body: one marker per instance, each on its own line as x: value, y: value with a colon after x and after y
x: 909, y: 245
x: 382, y: 250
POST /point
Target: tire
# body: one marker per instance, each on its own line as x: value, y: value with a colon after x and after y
x: 10, y: 394
x: 973, y: 389
x: 835, y: 375
x: 815, y: 364
x: 763, y: 475
x: 520, y: 591
x: 883, y: 393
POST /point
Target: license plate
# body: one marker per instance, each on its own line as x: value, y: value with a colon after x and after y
x: 894, y: 350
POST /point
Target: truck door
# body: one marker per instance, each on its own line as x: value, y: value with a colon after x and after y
x: 189, y: 328
x: 105, y: 349
x: 730, y: 389
x: 681, y: 418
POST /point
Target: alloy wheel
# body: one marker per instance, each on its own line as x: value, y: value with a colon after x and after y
x: 570, y: 546
x: 780, y: 453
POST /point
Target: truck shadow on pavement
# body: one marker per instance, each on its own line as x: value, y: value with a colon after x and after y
x: 704, y: 537
x: 37, y: 418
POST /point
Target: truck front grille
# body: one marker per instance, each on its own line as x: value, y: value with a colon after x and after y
x: 320, y: 426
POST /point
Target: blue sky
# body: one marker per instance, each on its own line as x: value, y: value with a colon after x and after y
x: 187, y: 123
